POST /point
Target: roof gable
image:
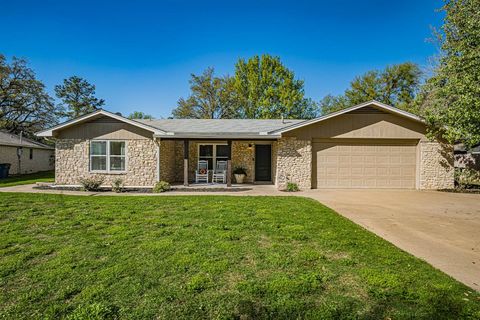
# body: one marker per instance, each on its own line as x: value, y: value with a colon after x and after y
x: 380, y: 107
x: 95, y: 115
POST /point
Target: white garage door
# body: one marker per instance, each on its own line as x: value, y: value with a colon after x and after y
x: 365, y: 165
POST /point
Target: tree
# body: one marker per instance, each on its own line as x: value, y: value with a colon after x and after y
x: 451, y: 98
x: 211, y: 98
x: 396, y: 85
x: 331, y: 103
x: 266, y: 89
x: 78, y: 97
x: 140, y: 115
x: 24, y: 104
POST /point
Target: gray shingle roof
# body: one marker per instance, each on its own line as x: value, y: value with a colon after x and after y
x: 219, y: 126
x: 10, y: 139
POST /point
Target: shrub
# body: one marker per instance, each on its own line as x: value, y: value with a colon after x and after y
x: 292, y: 187
x: 240, y: 170
x: 467, y: 178
x: 161, y: 186
x: 117, y: 185
x: 91, y: 184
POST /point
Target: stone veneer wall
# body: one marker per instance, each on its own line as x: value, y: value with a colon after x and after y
x: 436, y: 165
x: 192, y: 160
x: 243, y: 156
x: 294, y: 163
x: 72, y: 163
x: 167, y: 161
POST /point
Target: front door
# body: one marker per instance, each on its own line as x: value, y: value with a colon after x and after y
x: 263, y: 162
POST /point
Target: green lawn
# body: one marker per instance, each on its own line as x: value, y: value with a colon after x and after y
x: 79, y: 257
x: 44, y: 176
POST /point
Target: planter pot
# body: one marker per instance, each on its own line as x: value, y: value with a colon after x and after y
x: 239, y: 178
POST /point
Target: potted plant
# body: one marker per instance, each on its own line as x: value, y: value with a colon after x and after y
x: 240, y: 173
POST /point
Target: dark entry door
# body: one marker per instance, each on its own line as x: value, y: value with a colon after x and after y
x: 263, y: 162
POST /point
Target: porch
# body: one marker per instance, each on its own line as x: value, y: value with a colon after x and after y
x: 178, y: 161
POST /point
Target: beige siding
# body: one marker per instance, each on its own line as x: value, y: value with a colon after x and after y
x: 382, y: 126
x: 43, y: 159
x: 104, y: 129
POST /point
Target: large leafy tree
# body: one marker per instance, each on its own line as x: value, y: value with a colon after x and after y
x: 396, y: 85
x: 265, y: 89
x: 140, y: 115
x: 78, y: 97
x: 24, y: 103
x: 451, y: 98
x: 211, y: 98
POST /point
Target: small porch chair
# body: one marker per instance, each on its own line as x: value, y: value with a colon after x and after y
x: 220, y: 173
x: 201, y: 174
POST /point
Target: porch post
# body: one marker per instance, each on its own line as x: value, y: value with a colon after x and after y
x: 185, y: 161
x: 229, y: 164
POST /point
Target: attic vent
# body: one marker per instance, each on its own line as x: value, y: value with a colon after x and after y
x: 368, y: 110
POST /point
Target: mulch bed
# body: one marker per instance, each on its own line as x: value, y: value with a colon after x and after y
x: 148, y: 190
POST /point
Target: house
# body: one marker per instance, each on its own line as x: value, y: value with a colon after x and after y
x: 467, y: 158
x: 371, y: 145
x: 34, y: 156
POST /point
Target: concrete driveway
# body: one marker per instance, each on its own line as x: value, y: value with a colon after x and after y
x: 441, y: 228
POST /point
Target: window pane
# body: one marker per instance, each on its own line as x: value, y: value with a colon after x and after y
x: 222, y: 151
x: 117, y: 163
x: 99, y: 163
x: 98, y: 148
x: 117, y: 148
x: 206, y: 150
x: 210, y: 163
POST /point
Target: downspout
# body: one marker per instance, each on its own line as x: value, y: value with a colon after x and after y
x: 19, y: 154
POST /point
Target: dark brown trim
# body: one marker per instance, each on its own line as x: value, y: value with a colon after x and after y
x: 229, y: 164
x: 186, y: 147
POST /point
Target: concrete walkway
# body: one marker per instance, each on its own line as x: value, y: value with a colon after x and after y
x: 441, y: 228
x: 255, y: 190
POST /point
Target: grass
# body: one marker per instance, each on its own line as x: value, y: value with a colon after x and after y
x: 43, y: 176
x: 79, y: 257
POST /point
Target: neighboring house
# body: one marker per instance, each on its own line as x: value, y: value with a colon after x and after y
x: 371, y: 145
x: 467, y: 158
x: 34, y: 156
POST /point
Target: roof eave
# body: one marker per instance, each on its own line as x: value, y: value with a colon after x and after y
x: 186, y: 135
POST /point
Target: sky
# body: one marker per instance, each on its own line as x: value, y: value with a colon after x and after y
x: 140, y: 54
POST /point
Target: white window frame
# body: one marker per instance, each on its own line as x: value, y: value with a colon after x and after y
x: 214, y: 154
x: 107, y: 157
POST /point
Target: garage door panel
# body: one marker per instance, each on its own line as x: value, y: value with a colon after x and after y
x: 365, y: 165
